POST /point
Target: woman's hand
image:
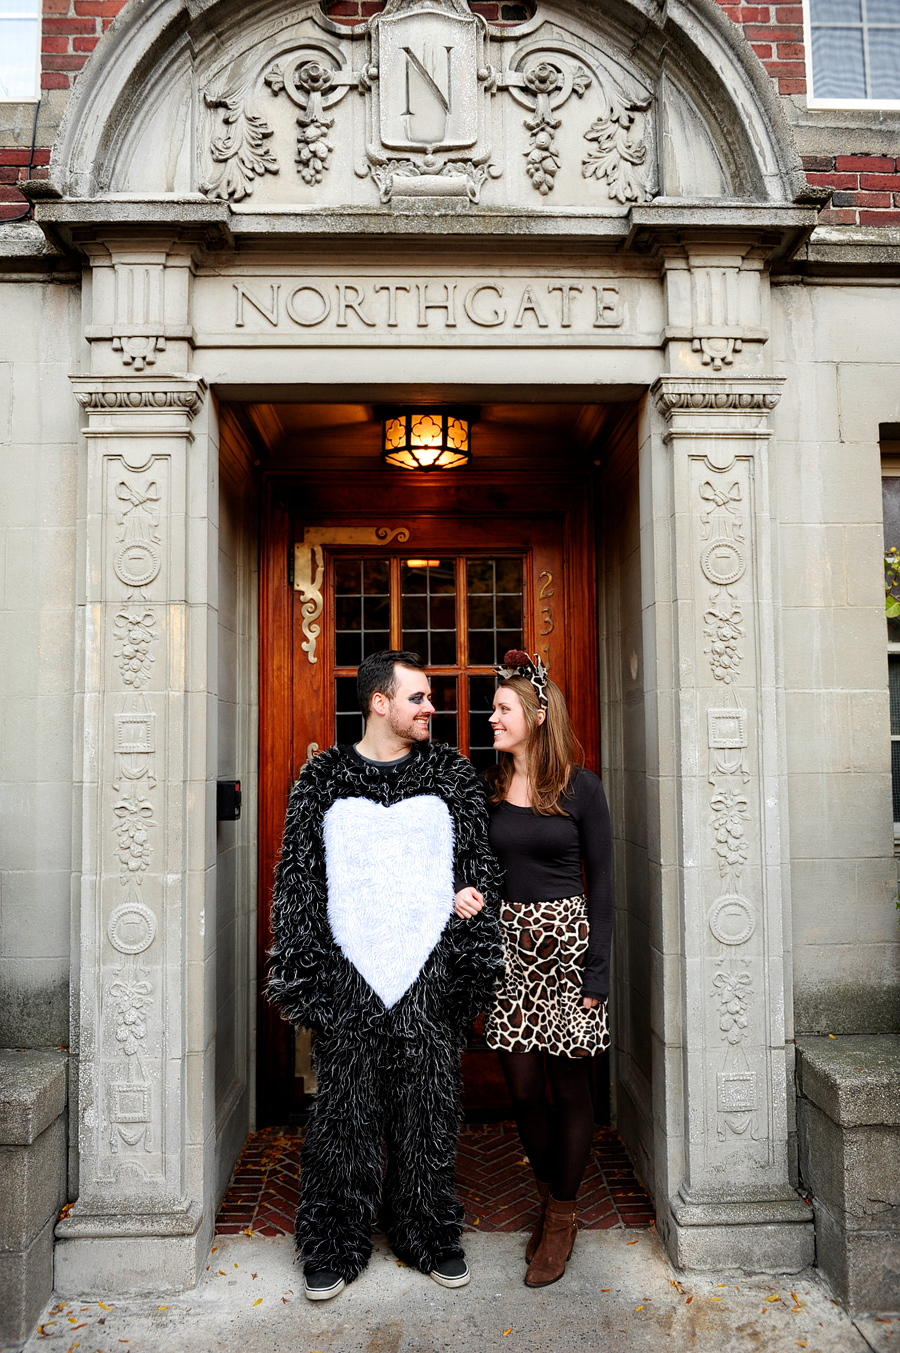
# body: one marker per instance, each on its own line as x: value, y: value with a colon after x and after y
x: 589, y: 1002
x: 468, y: 903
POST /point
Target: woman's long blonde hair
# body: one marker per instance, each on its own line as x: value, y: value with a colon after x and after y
x: 551, y: 751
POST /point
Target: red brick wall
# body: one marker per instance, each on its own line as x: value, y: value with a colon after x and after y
x: 775, y: 32
x: 865, y: 188
x: 71, y: 31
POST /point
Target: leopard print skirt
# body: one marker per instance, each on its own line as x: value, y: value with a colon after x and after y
x: 538, y: 1003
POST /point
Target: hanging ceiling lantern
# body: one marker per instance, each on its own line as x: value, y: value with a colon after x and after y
x: 427, y: 439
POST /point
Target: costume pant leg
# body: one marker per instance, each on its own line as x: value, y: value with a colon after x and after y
x: 422, y: 1216
x: 340, y: 1168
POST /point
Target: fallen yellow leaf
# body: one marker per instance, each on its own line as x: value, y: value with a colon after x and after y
x: 638, y: 1308
x: 832, y: 1036
x: 105, y: 1308
x: 257, y: 1301
x: 715, y: 1298
x: 773, y: 1297
x: 605, y: 1289
x: 796, y: 1299
x: 721, y: 1284
x: 235, y: 1265
x: 222, y: 1272
x: 162, y: 1308
x: 214, y: 1248
x: 509, y: 1331
x: 632, y: 1242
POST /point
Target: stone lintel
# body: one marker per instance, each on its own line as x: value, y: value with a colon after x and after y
x: 854, y: 1079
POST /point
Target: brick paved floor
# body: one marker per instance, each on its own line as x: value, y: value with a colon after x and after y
x: 493, y: 1180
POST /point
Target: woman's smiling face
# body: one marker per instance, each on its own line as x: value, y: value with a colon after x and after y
x: 508, y: 722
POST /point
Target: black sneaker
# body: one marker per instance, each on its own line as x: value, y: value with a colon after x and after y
x: 323, y: 1285
x: 451, y: 1273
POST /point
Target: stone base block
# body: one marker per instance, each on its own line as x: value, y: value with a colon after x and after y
x: 130, y: 1265
x: 863, y: 1267
x: 775, y: 1247
x: 26, y: 1280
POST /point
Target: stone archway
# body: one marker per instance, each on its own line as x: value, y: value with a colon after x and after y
x: 576, y: 207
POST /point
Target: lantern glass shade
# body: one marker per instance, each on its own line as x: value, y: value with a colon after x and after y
x: 427, y: 439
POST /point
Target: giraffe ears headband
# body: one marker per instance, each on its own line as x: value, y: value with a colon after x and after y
x: 518, y: 664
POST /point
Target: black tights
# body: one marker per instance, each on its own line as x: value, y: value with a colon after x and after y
x: 557, y: 1137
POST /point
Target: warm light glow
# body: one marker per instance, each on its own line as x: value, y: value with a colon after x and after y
x: 427, y: 439
x: 422, y: 563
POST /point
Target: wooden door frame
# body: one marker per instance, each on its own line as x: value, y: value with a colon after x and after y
x: 566, y: 495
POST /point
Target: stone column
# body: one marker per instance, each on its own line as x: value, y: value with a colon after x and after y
x: 144, y: 995
x: 723, y: 960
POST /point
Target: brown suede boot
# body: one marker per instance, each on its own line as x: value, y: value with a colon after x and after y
x: 535, y: 1237
x: 560, y: 1230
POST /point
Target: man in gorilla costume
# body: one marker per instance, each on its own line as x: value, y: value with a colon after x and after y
x: 386, y: 946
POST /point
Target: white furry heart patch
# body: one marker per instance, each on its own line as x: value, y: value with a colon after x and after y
x: 390, y: 886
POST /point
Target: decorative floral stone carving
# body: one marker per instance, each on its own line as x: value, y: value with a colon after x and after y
x: 135, y: 632
x: 723, y: 627
x: 133, y: 817
x: 729, y: 815
x: 137, y: 558
x: 311, y: 80
x: 732, y: 987
x: 620, y: 151
x: 240, y: 151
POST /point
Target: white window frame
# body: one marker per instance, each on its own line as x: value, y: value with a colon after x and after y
x: 811, y: 100
x: 36, y: 96
x: 890, y: 469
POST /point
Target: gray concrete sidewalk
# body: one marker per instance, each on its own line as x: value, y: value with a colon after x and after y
x: 619, y: 1293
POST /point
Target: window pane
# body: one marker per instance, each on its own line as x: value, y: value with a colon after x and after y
x: 835, y: 11
x: 884, y: 63
x: 444, y: 722
x: 362, y: 609
x: 481, y: 739
x: 349, y: 724
x: 838, y: 66
x: 894, y: 683
x: 883, y: 11
x: 428, y: 610
x: 494, y: 589
x: 18, y: 50
x: 890, y: 506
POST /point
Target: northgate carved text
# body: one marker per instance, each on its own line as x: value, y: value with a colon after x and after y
x: 371, y: 304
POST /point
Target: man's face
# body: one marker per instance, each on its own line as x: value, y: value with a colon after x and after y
x: 410, y: 709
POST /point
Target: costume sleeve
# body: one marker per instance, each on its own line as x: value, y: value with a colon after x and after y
x: 476, y: 950
x: 595, y: 841
x: 301, y: 973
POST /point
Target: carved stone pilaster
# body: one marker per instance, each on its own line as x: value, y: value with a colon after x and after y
x: 733, y: 1196
x: 716, y: 308
x: 141, y: 948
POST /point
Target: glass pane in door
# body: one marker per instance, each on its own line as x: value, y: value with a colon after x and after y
x: 481, y: 739
x: 494, y: 597
x: 445, y: 720
x: 428, y: 609
x: 362, y: 607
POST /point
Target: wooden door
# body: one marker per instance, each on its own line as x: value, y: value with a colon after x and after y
x: 457, y: 568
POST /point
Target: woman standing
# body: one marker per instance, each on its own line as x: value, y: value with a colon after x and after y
x: 549, y: 819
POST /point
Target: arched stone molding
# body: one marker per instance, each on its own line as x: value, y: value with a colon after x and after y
x: 710, y: 124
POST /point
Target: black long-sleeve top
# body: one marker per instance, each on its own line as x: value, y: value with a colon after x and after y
x: 542, y: 857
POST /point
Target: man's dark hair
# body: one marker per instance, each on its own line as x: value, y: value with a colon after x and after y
x: 376, y: 673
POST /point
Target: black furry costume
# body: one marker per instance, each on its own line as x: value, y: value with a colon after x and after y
x: 387, y: 1070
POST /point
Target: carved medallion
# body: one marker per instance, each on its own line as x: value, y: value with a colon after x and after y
x: 731, y: 919
x: 131, y: 928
